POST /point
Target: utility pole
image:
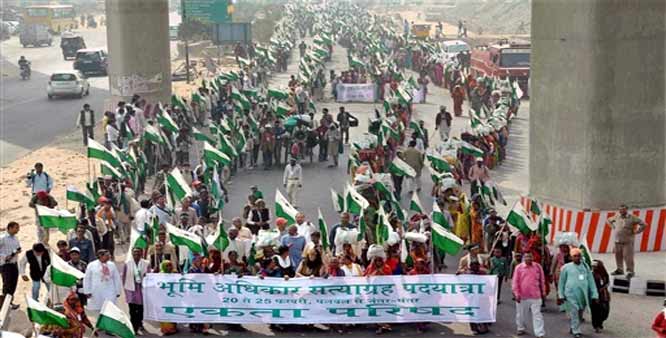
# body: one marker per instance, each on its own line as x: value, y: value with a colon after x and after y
x: 183, y: 18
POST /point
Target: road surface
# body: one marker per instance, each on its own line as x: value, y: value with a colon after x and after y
x: 28, y: 119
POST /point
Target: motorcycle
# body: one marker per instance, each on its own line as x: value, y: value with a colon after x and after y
x: 25, y: 71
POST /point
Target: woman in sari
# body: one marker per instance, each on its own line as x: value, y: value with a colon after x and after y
x: 76, y: 317
x: 166, y: 328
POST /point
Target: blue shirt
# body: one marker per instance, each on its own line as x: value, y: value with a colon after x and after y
x: 296, y: 245
x: 41, y: 182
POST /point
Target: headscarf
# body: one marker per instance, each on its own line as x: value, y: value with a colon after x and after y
x: 164, y: 266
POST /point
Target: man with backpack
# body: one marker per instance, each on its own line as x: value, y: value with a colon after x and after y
x: 39, y: 180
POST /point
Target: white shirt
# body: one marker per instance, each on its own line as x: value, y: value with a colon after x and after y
x: 24, y: 261
x: 112, y: 133
x: 305, y: 229
x: 241, y: 246
x: 163, y: 214
x: 292, y: 173
x: 101, y: 287
x: 8, y: 245
x: 141, y: 218
x: 88, y: 116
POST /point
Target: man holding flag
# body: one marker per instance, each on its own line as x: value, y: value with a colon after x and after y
x: 134, y: 270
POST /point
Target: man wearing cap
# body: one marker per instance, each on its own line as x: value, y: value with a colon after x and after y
x: 625, y: 227
x: 292, y: 179
x: 76, y: 262
x: 443, y: 123
x: 478, y: 175
x: 42, y: 198
x: 575, y: 288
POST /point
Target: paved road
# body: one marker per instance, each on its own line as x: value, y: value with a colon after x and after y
x: 28, y: 119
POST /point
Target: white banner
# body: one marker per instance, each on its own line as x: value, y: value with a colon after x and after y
x: 351, y: 92
x: 208, y: 298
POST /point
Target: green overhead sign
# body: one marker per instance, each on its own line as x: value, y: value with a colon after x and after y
x: 208, y: 11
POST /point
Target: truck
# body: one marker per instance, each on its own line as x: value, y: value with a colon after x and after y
x: 35, y: 35
x: 503, y: 59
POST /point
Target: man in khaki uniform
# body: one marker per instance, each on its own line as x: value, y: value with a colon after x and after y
x: 414, y: 158
x: 625, y: 227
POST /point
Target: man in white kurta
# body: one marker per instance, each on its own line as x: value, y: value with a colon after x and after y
x: 241, y: 246
x: 101, y: 282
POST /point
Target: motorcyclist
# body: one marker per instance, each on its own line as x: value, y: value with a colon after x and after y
x: 22, y: 62
x: 24, y: 65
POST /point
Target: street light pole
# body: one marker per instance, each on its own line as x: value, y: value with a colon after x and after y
x: 187, y: 47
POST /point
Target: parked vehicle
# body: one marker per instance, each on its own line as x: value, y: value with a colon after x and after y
x: 504, y: 59
x: 67, y: 83
x: 70, y: 43
x: 35, y: 35
x: 90, y: 61
x: 452, y: 48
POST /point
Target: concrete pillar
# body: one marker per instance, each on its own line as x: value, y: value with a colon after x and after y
x: 139, y: 49
x: 597, y: 114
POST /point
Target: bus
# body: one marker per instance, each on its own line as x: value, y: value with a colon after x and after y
x: 57, y: 18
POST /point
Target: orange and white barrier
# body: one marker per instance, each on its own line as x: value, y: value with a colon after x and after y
x: 592, y: 226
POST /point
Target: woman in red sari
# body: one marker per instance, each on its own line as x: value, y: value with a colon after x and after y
x: 458, y: 96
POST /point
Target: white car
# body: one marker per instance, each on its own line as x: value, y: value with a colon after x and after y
x: 67, y: 83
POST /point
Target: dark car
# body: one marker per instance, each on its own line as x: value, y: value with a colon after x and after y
x: 70, y: 44
x: 91, y: 61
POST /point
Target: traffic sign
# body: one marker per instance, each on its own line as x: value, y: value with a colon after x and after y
x: 208, y: 11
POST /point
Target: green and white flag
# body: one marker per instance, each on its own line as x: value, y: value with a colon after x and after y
x: 213, y: 155
x: 403, y: 97
x: 438, y: 163
x: 185, y: 238
x: 439, y: 217
x: 445, y: 240
x: 586, y: 255
x: 39, y: 313
x: 400, y: 168
x: 113, y: 320
x: 278, y: 94
x: 106, y: 169
x: 62, y: 220
x: 165, y: 120
x: 281, y: 110
x: 468, y: 149
x: 338, y: 201
x: 534, y: 208
x: 177, y: 101
x: 138, y: 240
x: 226, y: 146
x: 98, y: 151
x: 220, y: 239
x: 63, y: 274
x: 73, y: 194
x: 518, y: 219
x: 153, y: 135
x: 381, y: 188
x: 355, y: 202
x: 417, y: 128
x: 383, y: 226
x: 355, y: 62
x: 323, y: 230
x: 216, y: 189
x: 200, y: 136
x: 177, y: 185
x: 244, y: 62
x: 415, y: 203
x: 544, y: 223
x: 284, y: 209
